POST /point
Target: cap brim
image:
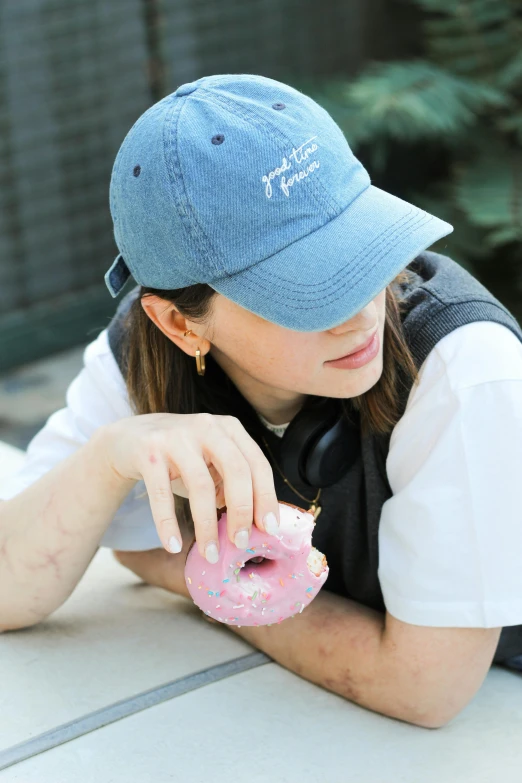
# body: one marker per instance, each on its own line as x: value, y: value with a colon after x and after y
x: 328, y: 276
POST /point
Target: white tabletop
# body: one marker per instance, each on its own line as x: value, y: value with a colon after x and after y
x: 219, y: 710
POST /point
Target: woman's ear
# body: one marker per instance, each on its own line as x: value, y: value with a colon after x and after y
x: 174, y: 325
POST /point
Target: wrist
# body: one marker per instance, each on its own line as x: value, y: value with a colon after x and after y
x: 101, y: 443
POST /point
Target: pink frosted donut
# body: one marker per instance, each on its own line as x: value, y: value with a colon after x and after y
x: 275, y: 578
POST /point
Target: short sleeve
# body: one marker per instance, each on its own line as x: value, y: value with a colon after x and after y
x: 97, y: 396
x: 450, y: 537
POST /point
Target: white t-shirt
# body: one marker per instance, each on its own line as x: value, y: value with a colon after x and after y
x: 450, y: 537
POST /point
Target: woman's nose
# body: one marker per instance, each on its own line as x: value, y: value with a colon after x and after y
x: 363, y: 321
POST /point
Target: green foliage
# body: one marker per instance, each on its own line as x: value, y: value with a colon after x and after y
x: 417, y: 100
x: 461, y: 105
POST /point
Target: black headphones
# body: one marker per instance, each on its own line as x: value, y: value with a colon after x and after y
x: 320, y: 444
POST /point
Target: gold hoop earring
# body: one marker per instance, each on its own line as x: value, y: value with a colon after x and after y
x: 200, y: 362
x: 200, y: 359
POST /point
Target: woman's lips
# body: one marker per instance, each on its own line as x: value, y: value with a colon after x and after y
x: 356, y: 350
x: 360, y: 356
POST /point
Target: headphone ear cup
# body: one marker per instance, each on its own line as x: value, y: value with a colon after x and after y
x: 319, y: 445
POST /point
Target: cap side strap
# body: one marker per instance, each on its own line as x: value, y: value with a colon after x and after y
x: 116, y: 277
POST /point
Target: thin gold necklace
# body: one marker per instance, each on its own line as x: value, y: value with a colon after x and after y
x: 315, y: 508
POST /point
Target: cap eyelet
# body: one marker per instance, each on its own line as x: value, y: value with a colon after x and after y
x: 218, y: 138
x: 136, y: 171
x: 278, y: 106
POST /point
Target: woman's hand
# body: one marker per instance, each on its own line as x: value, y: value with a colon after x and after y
x: 213, y: 456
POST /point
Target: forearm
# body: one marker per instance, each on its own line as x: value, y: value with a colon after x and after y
x: 50, y: 532
x: 337, y: 643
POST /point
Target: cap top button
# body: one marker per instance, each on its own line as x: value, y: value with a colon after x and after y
x: 186, y: 89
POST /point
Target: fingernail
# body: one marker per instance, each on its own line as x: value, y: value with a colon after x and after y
x: 241, y: 539
x: 174, y: 545
x: 270, y: 523
x: 211, y: 553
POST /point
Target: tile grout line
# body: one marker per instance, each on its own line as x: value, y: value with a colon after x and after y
x: 122, y: 709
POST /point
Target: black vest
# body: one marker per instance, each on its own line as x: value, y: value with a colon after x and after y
x: 441, y: 297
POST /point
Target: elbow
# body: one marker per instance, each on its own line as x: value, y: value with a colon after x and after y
x: 433, y: 723
x: 429, y: 719
x: 20, y: 623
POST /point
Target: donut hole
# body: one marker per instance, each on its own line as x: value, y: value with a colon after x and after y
x: 261, y: 564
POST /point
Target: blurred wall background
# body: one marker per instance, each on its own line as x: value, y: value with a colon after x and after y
x: 74, y: 76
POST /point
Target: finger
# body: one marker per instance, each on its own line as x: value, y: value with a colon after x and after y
x: 161, y: 499
x: 237, y: 484
x: 263, y: 488
x: 202, y: 500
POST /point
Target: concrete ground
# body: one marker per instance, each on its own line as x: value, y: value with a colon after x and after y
x: 30, y: 393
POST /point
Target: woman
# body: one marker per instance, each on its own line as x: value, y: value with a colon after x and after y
x: 262, y: 250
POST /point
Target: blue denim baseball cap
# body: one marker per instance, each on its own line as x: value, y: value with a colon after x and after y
x: 247, y: 184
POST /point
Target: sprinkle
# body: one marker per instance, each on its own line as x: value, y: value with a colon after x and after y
x: 281, y: 582
x: 217, y: 594
x: 308, y: 589
x: 223, y: 592
x: 200, y: 585
x: 203, y: 573
x: 218, y: 606
x: 291, y: 557
x: 254, y: 605
x: 237, y: 571
x: 252, y: 574
x: 189, y: 580
x: 210, y: 592
x: 239, y: 606
x: 281, y: 618
x: 251, y: 550
x: 254, y: 594
x: 301, y: 609
x: 226, y: 580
